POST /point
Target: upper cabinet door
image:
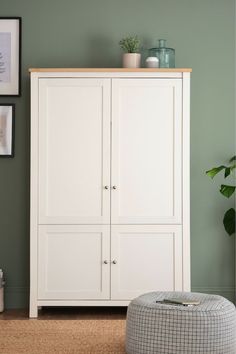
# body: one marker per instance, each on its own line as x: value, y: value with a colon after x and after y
x: 74, y: 151
x: 146, y: 151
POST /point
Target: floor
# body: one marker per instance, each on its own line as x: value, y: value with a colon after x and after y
x: 58, y: 330
x: 69, y: 313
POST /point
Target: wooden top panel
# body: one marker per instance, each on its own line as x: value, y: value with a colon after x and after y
x: 122, y: 70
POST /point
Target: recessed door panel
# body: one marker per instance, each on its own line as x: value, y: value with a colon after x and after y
x: 146, y: 151
x: 74, y: 151
x: 145, y: 258
x: 73, y: 262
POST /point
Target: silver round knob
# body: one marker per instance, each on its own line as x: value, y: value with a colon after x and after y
x: 106, y: 187
x: 105, y: 262
x: 114, y: 187
x: 114, y: 262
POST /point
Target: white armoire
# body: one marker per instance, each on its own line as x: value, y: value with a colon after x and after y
x: 109, y: 185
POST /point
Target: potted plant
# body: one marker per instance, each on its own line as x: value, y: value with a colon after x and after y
x: 227, y: 191
x: 131, y: 57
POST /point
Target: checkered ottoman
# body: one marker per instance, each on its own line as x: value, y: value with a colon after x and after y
x: 157, y: 328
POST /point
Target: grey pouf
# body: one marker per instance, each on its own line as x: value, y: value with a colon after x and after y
x: 157, y: 328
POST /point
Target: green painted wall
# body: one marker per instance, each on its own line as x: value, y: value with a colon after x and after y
x: 77, y: 33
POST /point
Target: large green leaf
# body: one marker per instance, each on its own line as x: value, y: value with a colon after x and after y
x: 233, y: 159
x: 227, y: 191
x: 227, y: 171
x: 211, y: 173
x: 229, y: 221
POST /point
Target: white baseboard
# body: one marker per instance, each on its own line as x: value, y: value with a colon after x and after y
x: 18, y: 296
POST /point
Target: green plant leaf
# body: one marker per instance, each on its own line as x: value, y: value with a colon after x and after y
x: 211, y: 173
x: 229, y: 221
x: 227, y: 191
x: 227, y: 171
x: 233, y: 159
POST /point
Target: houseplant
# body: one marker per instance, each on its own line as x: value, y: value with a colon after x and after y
x: 227, y: 191
x: 131, y: 57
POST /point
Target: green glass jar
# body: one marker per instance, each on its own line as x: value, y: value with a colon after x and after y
x: 165, y: 55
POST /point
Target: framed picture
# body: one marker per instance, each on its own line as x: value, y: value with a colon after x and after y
x: 7, y: 124
x: 10, y: 56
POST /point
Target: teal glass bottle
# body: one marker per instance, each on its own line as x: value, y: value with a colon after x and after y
x: 165, y: 55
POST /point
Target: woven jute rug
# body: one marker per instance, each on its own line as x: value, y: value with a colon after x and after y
x: 62, y: 336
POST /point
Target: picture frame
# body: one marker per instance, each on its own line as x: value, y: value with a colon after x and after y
x: 7, y: 128
x: 10, y: 56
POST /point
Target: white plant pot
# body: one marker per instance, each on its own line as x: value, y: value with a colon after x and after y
x: 131, y: 60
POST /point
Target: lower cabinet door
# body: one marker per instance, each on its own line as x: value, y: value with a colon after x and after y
x: 73, y: 262
x: 145, y: 258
